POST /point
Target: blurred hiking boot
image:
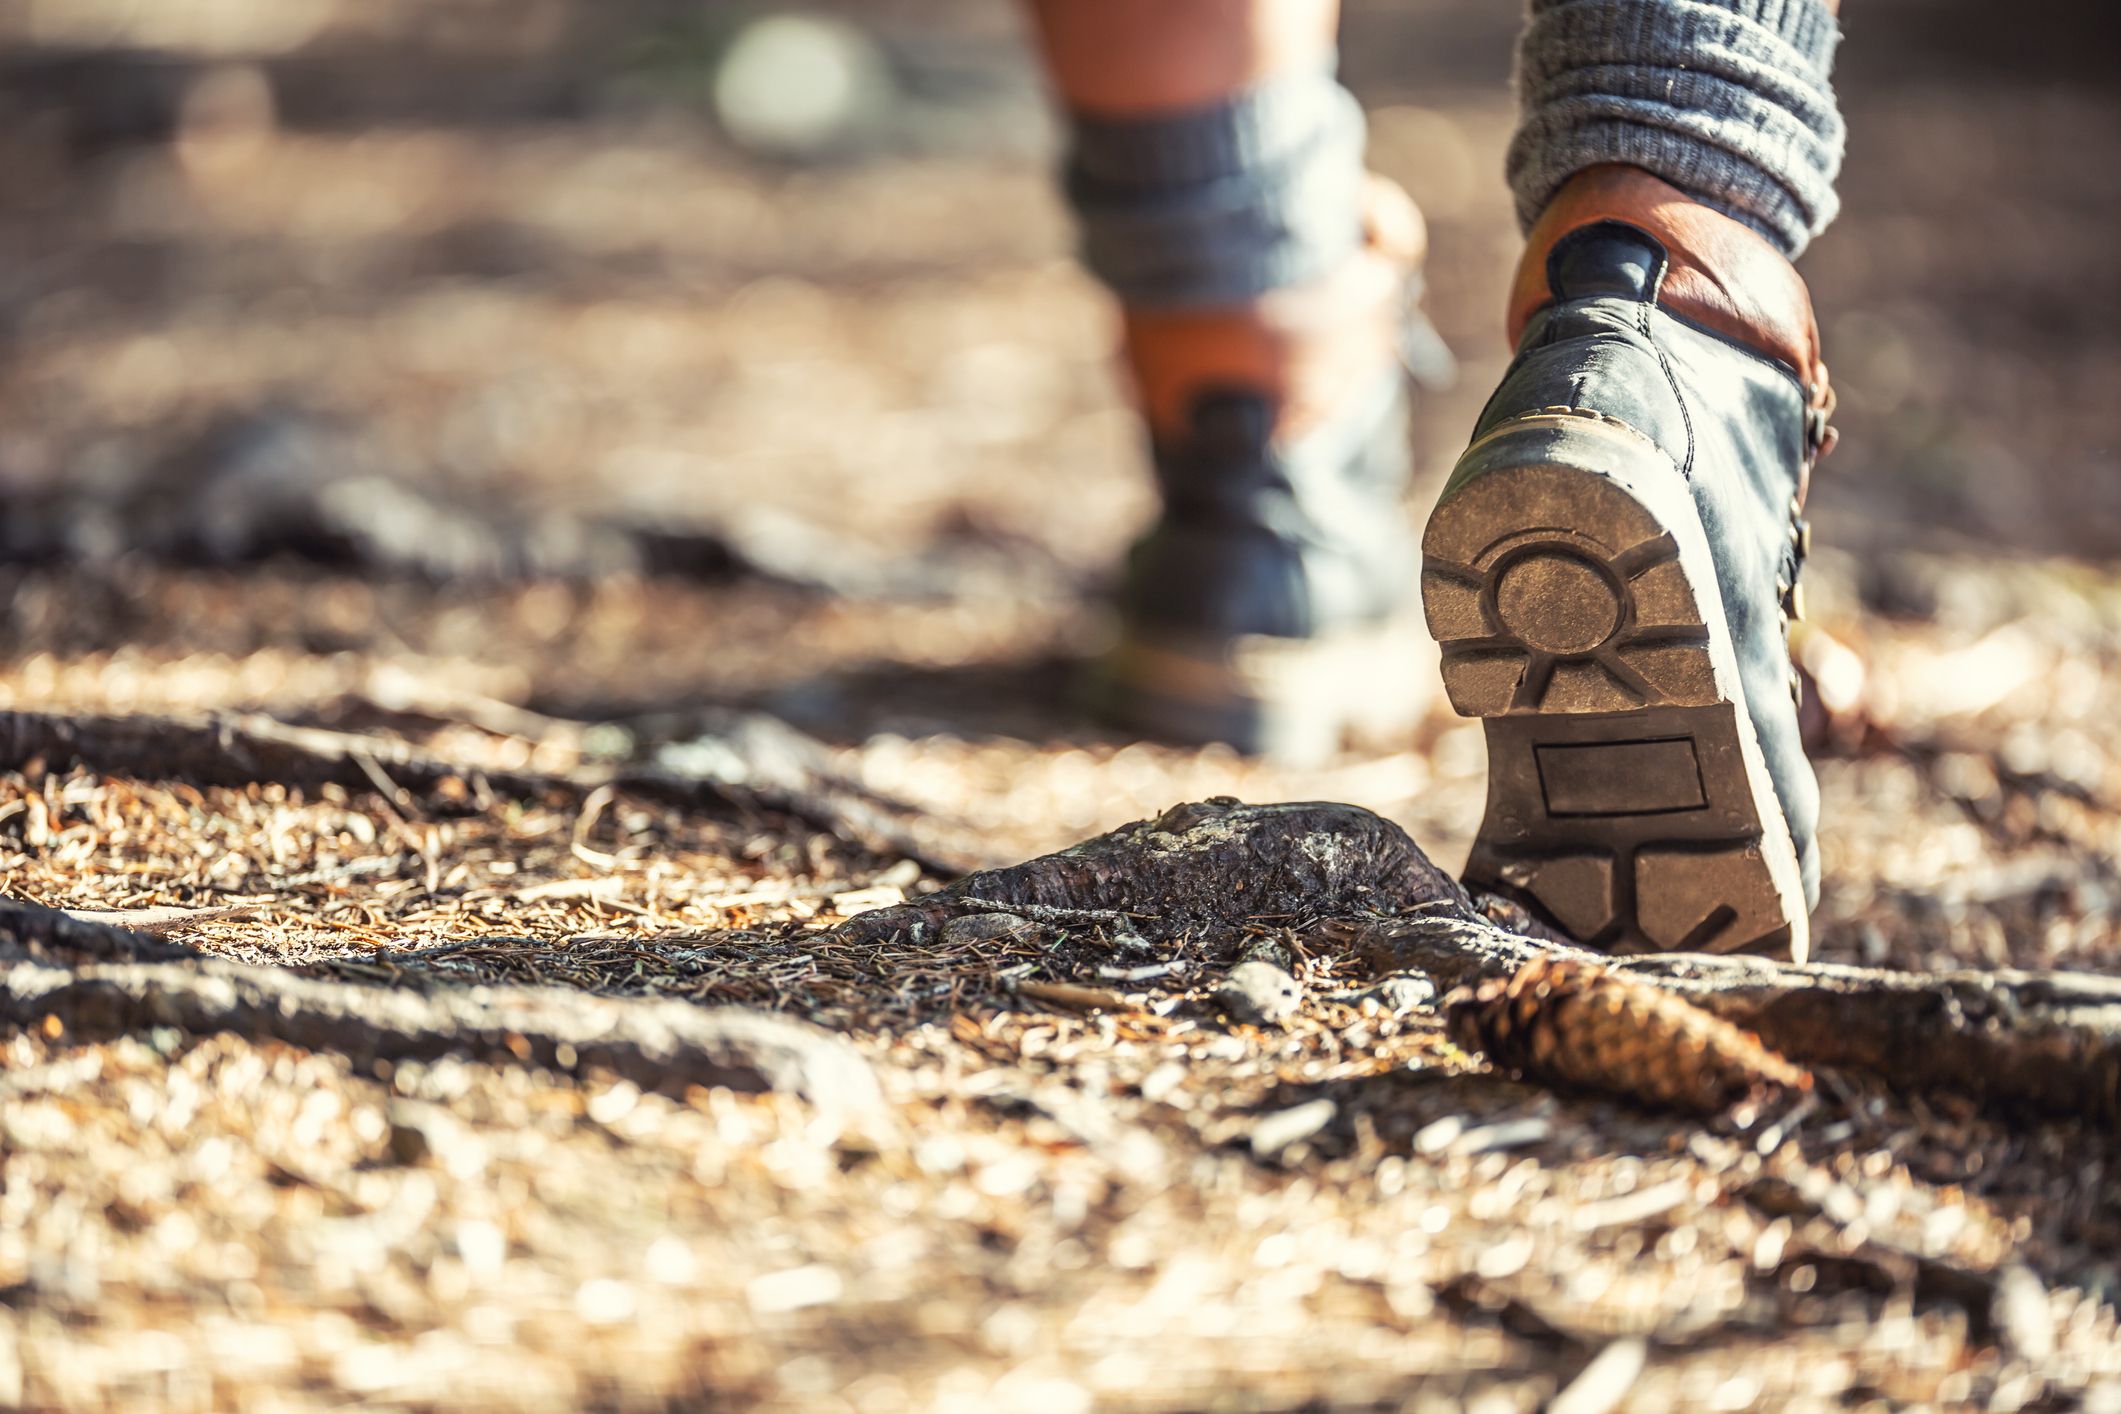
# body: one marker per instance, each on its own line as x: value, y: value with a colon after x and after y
x: 1271, y: 605
x: 1611, y: 572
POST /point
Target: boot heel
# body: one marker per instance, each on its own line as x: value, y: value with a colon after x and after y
x: 1568, y: 583
x: 1294, y: 701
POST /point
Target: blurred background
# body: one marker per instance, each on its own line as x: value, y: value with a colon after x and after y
x: 606, y: 358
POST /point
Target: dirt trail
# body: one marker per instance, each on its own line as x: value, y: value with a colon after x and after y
x: 1089, y: 1183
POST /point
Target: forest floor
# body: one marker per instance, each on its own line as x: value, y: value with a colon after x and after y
x: 881, y: 380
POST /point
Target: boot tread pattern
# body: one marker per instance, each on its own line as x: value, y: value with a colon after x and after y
x: 1621, y: 799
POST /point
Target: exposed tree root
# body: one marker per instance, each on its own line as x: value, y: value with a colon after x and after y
x: 53, y: 934
x: 1213, y: 865
x: 2045, y: 1041
x: 750, y: 767
x: 55, y: 968
x: 2042, y: 1041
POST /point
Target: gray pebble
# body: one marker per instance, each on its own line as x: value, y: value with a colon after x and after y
x: 1399, y: 995
x: 1131, y: 942
x: 1394, y: 996
x: 1260, y: 993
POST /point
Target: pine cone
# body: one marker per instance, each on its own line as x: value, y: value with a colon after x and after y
x: 1580, y: 1024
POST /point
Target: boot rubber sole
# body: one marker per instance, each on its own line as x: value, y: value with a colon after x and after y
x: 1568, y: 581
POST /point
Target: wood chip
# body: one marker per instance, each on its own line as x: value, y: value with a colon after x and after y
x: 1290, y: 1126
x: 1073, y: 997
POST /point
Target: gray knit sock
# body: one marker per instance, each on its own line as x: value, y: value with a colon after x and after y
x: 1728, y: 100
x: 1224, y: 202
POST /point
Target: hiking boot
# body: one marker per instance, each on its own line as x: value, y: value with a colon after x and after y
x: 1611, y: 572
x: 1271, y: 606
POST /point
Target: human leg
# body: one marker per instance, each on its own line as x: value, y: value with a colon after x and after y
x: 1215, y: 167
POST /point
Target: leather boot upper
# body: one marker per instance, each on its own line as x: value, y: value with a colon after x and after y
x: 1719, y: 273
x: 1281, y: 537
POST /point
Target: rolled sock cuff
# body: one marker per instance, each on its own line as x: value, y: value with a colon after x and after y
x: 1218, y: 205
x: 1731, y: 101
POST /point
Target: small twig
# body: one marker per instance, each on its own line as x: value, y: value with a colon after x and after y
x: 585, y: 820
x: 1073, y: 997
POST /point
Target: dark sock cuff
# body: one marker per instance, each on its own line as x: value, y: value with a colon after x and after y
x: 1219, y: 204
